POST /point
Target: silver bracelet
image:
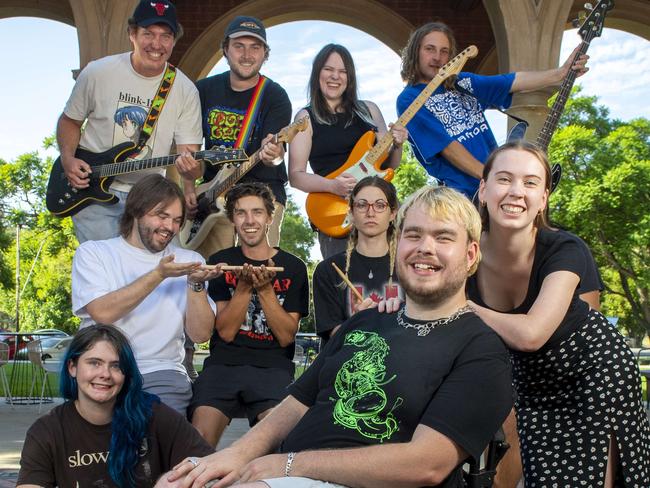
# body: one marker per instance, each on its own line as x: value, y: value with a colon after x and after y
x: 287, y: 468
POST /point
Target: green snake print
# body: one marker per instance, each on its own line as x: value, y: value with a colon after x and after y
x: 361, y: 400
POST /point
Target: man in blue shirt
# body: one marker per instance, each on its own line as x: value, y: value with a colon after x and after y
x: 450, y: 135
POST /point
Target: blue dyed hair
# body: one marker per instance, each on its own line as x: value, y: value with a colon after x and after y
x: 135, y: 114
x: 132, y: 411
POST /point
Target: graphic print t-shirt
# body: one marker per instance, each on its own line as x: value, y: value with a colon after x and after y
x: 255, y: 343
x: 376, y: 381
x: 455, y: 115
x: 333, y: 302
x: 115, y: 99
x: 223, y: 110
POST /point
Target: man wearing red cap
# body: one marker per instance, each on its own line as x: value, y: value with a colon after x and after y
x: 230, y: 119
x: 113, y: 96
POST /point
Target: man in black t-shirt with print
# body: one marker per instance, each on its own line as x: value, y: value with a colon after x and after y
x: 394, y: 399
x: 258, y: 313
x: 226, y: 99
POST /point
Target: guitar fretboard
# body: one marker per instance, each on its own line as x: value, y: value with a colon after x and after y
x: 132, y: 165
x: 453, y: 67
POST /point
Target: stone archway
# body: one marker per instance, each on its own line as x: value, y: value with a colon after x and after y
x: 366, y: 15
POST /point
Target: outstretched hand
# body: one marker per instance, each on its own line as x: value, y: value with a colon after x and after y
x: 167, y: 268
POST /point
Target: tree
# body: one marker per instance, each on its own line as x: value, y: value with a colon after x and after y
x: 410, y: 175
x: 604, y: 197
x: 296, y: 235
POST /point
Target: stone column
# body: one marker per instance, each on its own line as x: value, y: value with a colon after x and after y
x: 528, y: 37
x: 101, y: 27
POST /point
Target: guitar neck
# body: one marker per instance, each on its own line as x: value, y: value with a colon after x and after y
x: 553, y: 118
x: 133, y: 165
x: 236, y: 175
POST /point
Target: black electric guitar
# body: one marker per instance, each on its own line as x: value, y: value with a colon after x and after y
x: 210, y: 195
x: 591, y: 27
x: 63, y: 200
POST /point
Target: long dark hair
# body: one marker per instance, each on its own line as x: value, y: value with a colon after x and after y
x: 389, y: 191
x: 350, y: 103
x: 542, y: 219
x: 132, y: 411
x: 150, y: 191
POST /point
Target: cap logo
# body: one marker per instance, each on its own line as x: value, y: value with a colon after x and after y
x: 250, y: 25
x: 160, y: 7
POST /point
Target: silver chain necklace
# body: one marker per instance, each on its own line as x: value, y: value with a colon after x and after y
x: 424, y: 329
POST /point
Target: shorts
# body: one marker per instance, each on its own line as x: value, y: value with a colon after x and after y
x: 235, y: 389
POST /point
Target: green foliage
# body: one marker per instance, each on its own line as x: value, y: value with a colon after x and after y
x: 46, y: 247
x: 296, y: 235
x: 409, y: 175
x: 604, y: 197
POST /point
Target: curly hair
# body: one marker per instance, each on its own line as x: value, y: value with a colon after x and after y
x: 249, y: 189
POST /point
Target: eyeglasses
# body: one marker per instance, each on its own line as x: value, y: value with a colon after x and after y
x: 378, y: 206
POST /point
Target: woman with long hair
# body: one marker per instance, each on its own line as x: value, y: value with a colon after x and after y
x: 579, y: 411
x: 368, y: 261
x: 108, y: 432
x: 337, y: 120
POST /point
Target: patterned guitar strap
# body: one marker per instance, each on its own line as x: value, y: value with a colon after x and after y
x: 156, y: 106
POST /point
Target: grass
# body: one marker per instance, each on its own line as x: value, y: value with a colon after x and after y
x: 22, y: 381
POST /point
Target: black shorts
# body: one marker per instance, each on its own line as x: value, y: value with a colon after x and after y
x: 235, y: 390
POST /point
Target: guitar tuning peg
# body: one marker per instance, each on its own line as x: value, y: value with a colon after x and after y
x: 589, y: 6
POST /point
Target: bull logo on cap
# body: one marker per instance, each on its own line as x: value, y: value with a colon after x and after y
x: 160, y: 7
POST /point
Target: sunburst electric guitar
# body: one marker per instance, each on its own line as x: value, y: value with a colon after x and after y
x: 329, y: 212
x: 210, y: 195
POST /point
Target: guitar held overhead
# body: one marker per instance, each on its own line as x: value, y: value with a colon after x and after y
x: 63, y: 200
x: 210, y: 195
x: 329, y: 212
x: 591, y: 27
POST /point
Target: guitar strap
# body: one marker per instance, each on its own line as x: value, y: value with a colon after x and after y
x: 157, y: 105
x: 251, y: 113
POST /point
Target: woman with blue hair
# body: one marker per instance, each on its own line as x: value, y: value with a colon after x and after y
x: 108, y: 432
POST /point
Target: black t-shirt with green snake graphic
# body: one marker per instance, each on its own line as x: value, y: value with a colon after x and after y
x: 376, y: 381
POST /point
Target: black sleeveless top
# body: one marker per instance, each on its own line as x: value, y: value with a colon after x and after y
x: 332, y: 144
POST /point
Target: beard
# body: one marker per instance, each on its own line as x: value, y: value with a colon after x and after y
x: 147, y: 238
x: 428, y: 294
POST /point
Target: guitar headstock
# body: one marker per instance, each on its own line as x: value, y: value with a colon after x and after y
x: 592, y: 25
x: 221, y: 155
x: 289, y: 132
x: 454, y: 66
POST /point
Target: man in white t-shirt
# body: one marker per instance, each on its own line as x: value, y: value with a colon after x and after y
x: 112, y: 96
x: 148, y: 287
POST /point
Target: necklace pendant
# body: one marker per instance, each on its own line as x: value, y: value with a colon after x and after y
x: 370, y: 275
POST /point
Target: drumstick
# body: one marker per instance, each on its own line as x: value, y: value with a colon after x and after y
x: 348, y: 282
x: 226, y: 267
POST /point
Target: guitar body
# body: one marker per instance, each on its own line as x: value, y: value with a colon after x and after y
x: 63, y: 200
x: 329, y: 212
x: 194, y: 231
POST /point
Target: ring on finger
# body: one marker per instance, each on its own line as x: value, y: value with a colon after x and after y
x: 194, y: 460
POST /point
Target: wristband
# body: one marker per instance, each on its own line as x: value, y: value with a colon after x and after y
x: 287, y: 468
x: 196, y: 285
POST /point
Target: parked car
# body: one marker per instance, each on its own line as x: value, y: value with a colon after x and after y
x: 24, y: 338
x: 52, y: 347
x: 307, y: 348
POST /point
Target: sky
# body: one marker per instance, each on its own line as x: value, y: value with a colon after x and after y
x: 37, y: 78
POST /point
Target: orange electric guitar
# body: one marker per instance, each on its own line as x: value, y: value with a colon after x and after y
x: 329, y: 212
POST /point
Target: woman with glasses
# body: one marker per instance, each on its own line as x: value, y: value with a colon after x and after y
x: 108, y: 432
x: 368, y: 261
x: 337, y: 120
